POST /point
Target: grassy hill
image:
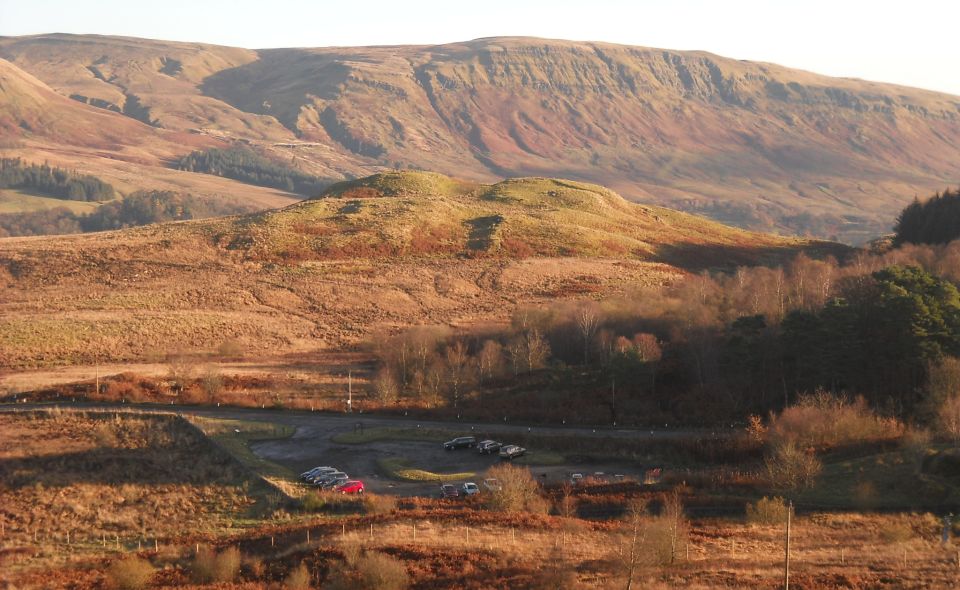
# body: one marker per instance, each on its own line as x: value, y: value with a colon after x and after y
x: 424, y: 214
x: 752, y: 144
x: 390, y: 250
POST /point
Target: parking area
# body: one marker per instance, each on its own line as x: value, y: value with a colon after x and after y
x: 312, y: 446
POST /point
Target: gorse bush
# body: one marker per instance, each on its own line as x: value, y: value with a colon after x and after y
x: 366, y: 571
x: 767, y: 511
x: 129, y: 573
x: 209, y: 566
x: 298, y: 579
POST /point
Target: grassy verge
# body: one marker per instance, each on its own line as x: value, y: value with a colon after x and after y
x: 399, y: 468
x: 235, y: 437
x: 540, y: 458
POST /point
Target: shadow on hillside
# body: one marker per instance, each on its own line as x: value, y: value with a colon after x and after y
x: 191, y: 465
x: 699, y: 257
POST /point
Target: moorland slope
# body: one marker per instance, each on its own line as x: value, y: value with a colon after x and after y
x: 382, y: 252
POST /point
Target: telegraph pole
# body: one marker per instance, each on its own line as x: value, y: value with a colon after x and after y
x: 350, y: 391
x: 786, y: 556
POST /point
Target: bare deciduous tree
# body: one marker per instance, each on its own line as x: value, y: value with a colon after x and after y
x: 490, y: 360
x: 385, y: 387
x: 537, y: 349
x: 458, y: 369
x: 587, y: 321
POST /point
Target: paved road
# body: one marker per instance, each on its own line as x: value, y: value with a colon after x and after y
x: 312, y: 444
x: 342, y: 422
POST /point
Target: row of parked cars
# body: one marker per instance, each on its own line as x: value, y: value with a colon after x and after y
x: 486, y: 447
x: 331, y: 478
x: 449, y: 490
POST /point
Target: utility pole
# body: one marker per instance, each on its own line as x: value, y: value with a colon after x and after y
x: 786, y: 557
x: 350, y: 391
x: 613, y: 400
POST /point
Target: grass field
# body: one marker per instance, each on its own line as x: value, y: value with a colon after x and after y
x: 15, y: 201
x: 399, y: 468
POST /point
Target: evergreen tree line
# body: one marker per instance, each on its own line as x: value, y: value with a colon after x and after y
x: 139, y: 208
x: 248, y: 166
x: 52, y: 182
x: 934, y: 221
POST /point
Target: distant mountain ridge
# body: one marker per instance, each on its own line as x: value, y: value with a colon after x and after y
x: 754, y: 144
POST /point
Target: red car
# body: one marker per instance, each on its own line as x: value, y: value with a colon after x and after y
x: 351, y: 487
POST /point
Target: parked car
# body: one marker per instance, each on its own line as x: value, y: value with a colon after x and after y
x: 576, y: 479
x: 492, y: 484
x: 351, y: 486
x: 448, y: 490
x: 511, y: 452
x: 470, y: 488
x: 487, y: 447
x: 461, y: 442
x: 317, y: 471
x: 321, y: 475
x: 331, y: 480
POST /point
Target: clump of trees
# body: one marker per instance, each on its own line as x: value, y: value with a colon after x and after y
x: 435, y: 366
x: 139, y: 208
x: 246, y: 165
x: 709, y: 348
x: 934, y: 221
x: 53, y: 182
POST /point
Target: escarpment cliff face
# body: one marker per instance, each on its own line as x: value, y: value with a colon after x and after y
x: 754, y: 144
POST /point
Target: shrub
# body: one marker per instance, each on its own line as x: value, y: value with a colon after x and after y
x: 789, y: 467
x: 129, y: 573
x: 204, y: 565
x: 369, y: 570
x: 519, y: 492
x: 767, y: 511
x: 374, y: 504
x: 823, y: 420
x: 208, y: 566
x: 948, y: 418
x: 227, y: 565
x: 298, y: 579
x: 896, y: 531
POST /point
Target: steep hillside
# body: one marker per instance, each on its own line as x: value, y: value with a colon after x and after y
x: 391, y: 250
x: 753, y: 144
x: 30, y: 107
